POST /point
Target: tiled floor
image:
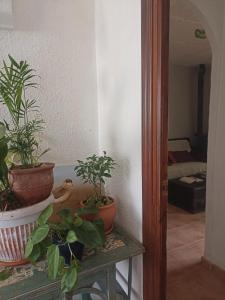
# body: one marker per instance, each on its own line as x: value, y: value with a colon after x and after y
x: 188, y: 279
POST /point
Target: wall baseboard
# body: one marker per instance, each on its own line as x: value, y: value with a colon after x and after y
x: 211, y: 266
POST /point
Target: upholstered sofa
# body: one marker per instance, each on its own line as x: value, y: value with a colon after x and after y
x: 189, y: 166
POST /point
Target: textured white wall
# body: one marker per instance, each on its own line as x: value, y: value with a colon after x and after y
x: 118, y: 42
x: 58, y: 41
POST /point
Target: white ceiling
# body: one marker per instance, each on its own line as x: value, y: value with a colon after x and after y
x: 185, y: 48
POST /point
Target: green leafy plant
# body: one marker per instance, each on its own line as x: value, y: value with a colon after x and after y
x: 7, y: 199
x: 72, y: 228
x: 95, y: 170
x: 4, y: 183
x: 16, y: 83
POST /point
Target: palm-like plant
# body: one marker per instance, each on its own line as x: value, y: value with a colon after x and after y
x: 4, y: 183
x: 16, y: 78
x: 6, y: 197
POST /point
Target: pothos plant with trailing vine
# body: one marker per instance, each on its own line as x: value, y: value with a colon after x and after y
x: 47, y: 236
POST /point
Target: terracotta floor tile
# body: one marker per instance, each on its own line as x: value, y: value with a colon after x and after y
x: 188, y: 279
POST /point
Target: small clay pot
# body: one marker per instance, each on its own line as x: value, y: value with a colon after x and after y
x: 32, y: 185
x: 107, y: 213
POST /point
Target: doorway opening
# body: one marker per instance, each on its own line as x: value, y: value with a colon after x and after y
x: 190, y: 65
x: 155, y: 44
x: 188, y: 114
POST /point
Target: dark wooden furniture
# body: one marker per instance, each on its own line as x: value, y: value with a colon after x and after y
x: 199, y: 151
x: 190, y: 197
x: 99, y: 267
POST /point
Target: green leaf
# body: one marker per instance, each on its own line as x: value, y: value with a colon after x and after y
x: 13, y: 61
x: 4, y: 174
x: 44, y: 245
x: 69, y: 280
x: 5, y: 274
x: 78, y: 221
x: 100, y: 228
x: 87, y: 211
x: 66, y: 215
x: 45, y: 215
x: 53, y: 261
x: 39, y: 234
x: 29, y: 248
x: 89, y: 235
x: 61, y: 265
x: 3, y: 150
x: 71, y: 237
x: 107, y: 175
x: 2, y: 130
x: 35, y: 254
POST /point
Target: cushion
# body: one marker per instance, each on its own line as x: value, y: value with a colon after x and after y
x: 179, y: 145
x: 180, y: 156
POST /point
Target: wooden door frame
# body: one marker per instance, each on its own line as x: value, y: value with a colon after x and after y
x: 155, y: 49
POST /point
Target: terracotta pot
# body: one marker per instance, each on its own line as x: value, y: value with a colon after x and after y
x: 15, y: 228
x: 107, y: 213
x: 32, y: 185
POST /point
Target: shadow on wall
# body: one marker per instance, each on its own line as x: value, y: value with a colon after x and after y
x: 121, y: 140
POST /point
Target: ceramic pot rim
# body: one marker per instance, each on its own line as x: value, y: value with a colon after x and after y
x: 43, y: 166
x: 26, y: 211
x: 102, y: 207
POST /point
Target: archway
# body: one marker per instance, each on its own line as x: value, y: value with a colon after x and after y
x: 155, y: 15
x: 212, y: 35
x: 215, y: 98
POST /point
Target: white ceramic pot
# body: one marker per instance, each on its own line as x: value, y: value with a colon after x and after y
x: 15, y: 228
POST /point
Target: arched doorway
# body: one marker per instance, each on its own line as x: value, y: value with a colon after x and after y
x: 195, y: 271
x: 155, y: 35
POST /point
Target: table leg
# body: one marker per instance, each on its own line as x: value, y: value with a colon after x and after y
x: 111, y: 283
x: 129, y: 279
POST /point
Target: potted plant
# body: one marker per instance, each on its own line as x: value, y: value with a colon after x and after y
x: 30, y: 180
x: 95, y: 170
x: 62, y: 244
x: 16, y: 221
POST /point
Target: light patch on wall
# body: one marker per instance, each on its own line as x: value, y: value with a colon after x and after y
x: 64, y: 58
x: 6, y: 14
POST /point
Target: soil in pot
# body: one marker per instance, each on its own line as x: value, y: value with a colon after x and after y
x: 107, y: 213
x: 77, y: 249
x: 32, y: 185
x: 8, y: 201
